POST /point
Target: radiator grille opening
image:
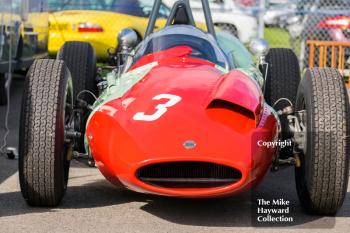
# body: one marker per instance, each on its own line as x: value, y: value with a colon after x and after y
x: 188, y: 175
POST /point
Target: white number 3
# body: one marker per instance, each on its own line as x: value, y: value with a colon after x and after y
x: 161, y: 108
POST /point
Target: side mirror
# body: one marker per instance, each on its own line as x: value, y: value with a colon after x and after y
x: 24, y: 10
x: 127, y: 39
x: 259, y: 47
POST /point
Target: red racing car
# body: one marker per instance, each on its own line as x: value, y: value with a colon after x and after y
x: 185, y: 113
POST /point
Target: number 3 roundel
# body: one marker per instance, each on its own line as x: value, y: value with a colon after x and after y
x: 161, y: 108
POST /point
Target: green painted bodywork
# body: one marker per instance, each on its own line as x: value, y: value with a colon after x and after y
x: 234, y: 49
x: 241, y: 57
x: 118, y: 86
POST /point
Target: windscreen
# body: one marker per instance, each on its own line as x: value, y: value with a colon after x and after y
x: 203, y: 45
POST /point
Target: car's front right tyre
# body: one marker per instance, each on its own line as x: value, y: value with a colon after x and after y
x: 80, y: 59
x: 44, y: 153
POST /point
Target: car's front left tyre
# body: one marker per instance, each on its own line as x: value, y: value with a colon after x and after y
x: 44, y: 151
x: 322, y: 177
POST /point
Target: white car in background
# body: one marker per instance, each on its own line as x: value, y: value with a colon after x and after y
x: 278, y: 13
x: 228, y: 16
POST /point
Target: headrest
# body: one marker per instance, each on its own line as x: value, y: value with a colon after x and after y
x: 181, y: 14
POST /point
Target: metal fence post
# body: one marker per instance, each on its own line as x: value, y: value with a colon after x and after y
x: 261, y: 18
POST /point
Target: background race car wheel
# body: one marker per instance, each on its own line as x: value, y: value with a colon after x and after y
x: 322, y: 177
x: 283, y: 76
x: 228, y: 28
x: 282, y: 81
x: 81, y: 61
x: 44, y: 153
x: 3, y: 95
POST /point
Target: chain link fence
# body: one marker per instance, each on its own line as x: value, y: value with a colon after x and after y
x: 292, y: 23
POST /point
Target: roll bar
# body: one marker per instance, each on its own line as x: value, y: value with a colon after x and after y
x: 176, y: 8
x: 188, y: 10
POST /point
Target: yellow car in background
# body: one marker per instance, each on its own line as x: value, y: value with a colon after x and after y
x: 98, y: 21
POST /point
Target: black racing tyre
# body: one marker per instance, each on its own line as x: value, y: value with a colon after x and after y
x: 3, y: 93
x: 283, y: 77
x: 81, y: 61
x: 282, y: 81
x: 43, y: 151
x: 80, y: 58
x: 228, y: 28
x: 322, y: 178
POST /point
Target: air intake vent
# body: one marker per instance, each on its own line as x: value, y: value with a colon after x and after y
x: 188, y: 175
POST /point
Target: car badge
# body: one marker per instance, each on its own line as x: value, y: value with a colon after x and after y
x: 189, y: 144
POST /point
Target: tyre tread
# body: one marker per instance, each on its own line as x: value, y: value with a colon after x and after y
x: 329, y: 142
x: 283, y: 75
x: 44, y: 90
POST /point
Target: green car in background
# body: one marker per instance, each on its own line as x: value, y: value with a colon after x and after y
x: 23, y: 36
